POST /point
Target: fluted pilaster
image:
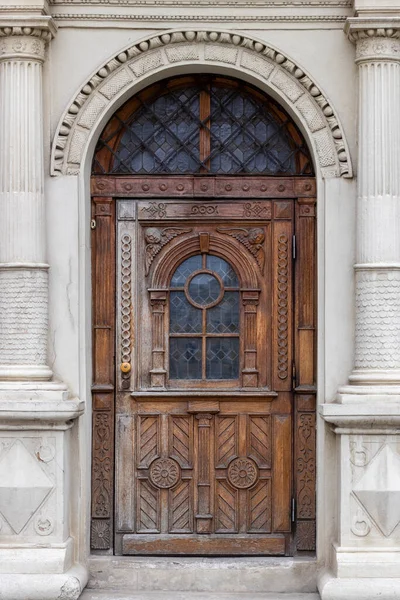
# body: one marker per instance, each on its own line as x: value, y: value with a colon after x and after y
x: 23, y: 268
x: 377, y: 351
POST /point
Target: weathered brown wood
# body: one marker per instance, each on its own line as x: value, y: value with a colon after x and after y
x: 244, y: 545
x: 213, y: 457
x: 186, y: 186
x: 103, y: 308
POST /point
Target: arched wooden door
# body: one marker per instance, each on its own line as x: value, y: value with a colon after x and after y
x: 203, y: 245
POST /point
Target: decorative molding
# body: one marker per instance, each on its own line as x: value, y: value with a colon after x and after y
x: 360, y: 525
x: 40, y: 27
x: 264, y: 18
x: 282, y: 302
x: 253, y: 57
x: 253, y: 239
x: 228, y: 3
x: 156, y: 239
x: 126, y: 304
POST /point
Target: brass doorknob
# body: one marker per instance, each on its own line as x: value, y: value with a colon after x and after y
x: 125, y: 367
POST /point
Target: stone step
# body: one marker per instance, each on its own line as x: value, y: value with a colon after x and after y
x: 190, y: 575
x: 119, y: 595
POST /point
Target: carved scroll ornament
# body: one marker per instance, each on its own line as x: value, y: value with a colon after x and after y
x: 156, y: 239
x: 252, y: 239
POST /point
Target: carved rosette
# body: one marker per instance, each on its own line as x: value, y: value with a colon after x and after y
x: 242, y: 473
x: 164, y: 473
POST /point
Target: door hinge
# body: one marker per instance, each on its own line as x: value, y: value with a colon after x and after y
x: 294, y: 247
x: 293, y: 510
x: 93, y: 224
x: 294, y: 374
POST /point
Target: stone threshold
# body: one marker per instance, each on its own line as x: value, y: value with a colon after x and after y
x: 239, y: 578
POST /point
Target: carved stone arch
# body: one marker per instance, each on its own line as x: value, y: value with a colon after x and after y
x: 181, y: 51
x: 224, y: 248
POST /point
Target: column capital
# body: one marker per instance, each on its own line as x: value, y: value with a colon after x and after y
x: 24, y: 38
x: 376, y: 39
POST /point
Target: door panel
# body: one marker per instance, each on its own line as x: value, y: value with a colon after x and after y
x: 205, y: 466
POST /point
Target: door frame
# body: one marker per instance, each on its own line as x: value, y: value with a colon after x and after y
x: 105, y: 191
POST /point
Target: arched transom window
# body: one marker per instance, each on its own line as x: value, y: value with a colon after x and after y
x: 204, y: 320
x: 203, y: 124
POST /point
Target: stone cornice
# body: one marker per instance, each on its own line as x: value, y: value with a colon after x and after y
x: 40, y: 26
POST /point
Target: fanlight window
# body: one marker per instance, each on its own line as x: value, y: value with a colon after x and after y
x: 204, y: 320
x: 191, y: 125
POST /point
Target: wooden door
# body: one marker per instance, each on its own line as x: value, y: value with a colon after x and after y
x: 214, y: 335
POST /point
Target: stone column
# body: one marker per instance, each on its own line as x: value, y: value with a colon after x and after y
x: 377, y: 349
x: 365, y: 558
x: 23, y: 268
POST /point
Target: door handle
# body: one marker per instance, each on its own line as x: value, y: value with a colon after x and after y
x: 125, y: 367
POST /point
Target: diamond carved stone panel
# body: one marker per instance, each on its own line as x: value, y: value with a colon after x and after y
x: 378, y: 490
x: 23, y: 486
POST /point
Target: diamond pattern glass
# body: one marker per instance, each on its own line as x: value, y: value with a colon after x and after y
x: 183, y: 317
x: 185, y: 358
x: 224, y: 270
x: 222, y: 358
x: 224, y: 318
x: 186, y: 268
x: 160, y: 131
x: 204, y: 289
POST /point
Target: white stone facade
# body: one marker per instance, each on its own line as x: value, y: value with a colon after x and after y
x: 65, y: 67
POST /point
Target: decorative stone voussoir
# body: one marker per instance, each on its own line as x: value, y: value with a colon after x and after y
x: 232, y: 50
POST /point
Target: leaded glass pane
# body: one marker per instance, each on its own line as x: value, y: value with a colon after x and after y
x: 224, y: 270
x: 222, y: 358
x: 185, y: 358
x: 159, y: 131
x: 204, y: 289
x: 186, y: 268
x: 183, y: 317
x: 162, y: 137
x: 224, y: 318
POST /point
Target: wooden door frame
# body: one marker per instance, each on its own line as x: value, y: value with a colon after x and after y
x: 105, y: 191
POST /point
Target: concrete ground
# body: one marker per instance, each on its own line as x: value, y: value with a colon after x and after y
x: 118, y: 595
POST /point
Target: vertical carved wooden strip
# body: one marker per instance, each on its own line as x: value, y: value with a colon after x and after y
x: 125, y: 472
x: 204, y: 516
x: 158, y: 372
x: 125, y: 284
x: 282, y: 469
x: 305, y: 475
x: 305, y: 292
x: 103, y: 308
x: 282, y: 305
x: 250, y: 367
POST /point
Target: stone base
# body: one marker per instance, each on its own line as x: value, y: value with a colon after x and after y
x: 65, y: 586
x: 202, y: 575
x: 115, y: 595
x: 368, y: 588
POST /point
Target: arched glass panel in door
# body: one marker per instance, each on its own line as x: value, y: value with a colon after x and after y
x: 204, y: 308
x: 203, y: 124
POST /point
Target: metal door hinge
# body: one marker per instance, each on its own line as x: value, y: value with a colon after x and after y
x: 293, y: 510
x: 294, y: 374
x: 93, y: 224
x: 294, y: 247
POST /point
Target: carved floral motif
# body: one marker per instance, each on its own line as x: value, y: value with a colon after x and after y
x: 242, y: 473
x: 100, y: 535
x: 164, y: 473
x: 102, y: 465
x: 306, y: 466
